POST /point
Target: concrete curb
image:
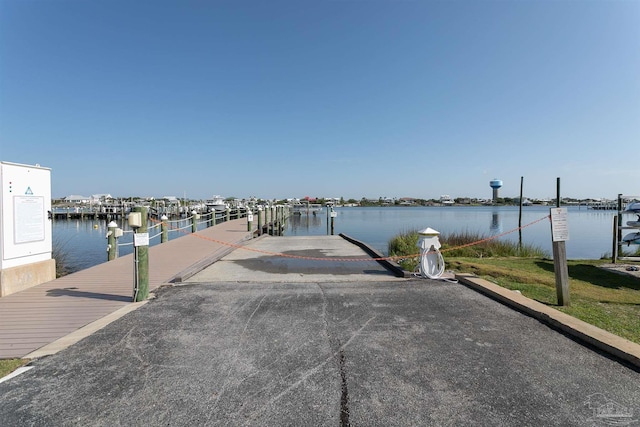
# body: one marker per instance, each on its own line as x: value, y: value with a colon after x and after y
x: 607, y: 342
x: 85, y: 331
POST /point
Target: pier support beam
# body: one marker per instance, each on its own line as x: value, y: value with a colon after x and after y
x: 164, y: 228
x: 194, y: 221
x: 142, y: 258
x: 260, y: 221
x: 112, y: 245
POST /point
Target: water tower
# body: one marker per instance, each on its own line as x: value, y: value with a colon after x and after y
x: 495, y: 184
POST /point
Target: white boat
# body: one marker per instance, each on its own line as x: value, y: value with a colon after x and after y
x: 633, y: 207
x: 632, y: 238
x: 216, y: 203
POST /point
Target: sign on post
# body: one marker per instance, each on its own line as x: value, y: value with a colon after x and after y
x: 560, y: 234
x: 559, y: 225
x: 140, y: 239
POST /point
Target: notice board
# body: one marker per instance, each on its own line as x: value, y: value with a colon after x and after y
x: 25, y: 228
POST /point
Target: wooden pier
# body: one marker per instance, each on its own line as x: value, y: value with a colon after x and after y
x: 43, y: 314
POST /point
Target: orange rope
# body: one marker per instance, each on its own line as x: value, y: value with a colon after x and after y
x: 279, y: 254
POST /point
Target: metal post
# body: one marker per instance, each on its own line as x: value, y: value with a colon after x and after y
x: 143, y: 258
x: 164, y: 227
x: 112, y: 243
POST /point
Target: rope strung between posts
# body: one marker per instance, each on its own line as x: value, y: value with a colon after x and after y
x: 388, y: 258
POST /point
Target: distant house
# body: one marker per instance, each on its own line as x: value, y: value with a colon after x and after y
x: 77, y: 199
x: 407, y: 201
x: 446, y: 199
x: 99, y: 198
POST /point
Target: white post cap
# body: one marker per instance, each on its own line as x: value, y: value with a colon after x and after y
x: 429, y: 232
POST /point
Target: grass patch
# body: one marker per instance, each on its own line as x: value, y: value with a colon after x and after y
x: 606, y: 299
x: 9, y: 365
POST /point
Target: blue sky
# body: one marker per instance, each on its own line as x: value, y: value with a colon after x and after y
x: 323, y: 98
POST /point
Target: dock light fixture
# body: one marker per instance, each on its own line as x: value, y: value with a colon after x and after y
x: 135, y: 220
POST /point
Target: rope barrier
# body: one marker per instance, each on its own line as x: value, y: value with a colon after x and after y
x: 388, y: 258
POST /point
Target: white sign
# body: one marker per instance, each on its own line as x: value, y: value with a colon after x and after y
x: 29, y: 219
x: 140, y: 239
x: 250, y: 217
x: 334, y: 214
x: 559, y: 225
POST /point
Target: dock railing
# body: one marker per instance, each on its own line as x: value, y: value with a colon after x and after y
x: 164, y: 229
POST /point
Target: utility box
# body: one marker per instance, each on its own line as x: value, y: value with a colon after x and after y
x: 25, y: 227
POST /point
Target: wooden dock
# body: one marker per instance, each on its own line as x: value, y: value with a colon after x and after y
x: 40, y: 315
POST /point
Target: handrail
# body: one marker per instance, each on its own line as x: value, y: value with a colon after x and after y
x: 181, y: 228
x: 168, y: 226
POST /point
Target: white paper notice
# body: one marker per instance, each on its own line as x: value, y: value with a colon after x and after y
x: 28, y: 219
x: 559, y: 225
x: 140, y: 239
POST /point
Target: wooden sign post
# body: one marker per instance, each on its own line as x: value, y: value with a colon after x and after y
x: 560, y: 234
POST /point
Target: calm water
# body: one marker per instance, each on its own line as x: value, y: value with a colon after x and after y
x: 590, y: 231
x: 590, y: 235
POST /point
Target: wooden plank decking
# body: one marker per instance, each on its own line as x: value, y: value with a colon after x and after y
x: 40, y: 315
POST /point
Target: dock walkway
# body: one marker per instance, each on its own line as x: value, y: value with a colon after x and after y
x: 40, y: 315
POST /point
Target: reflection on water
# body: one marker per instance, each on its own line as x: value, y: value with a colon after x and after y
x: 301, y: 225
x: 496, y: 226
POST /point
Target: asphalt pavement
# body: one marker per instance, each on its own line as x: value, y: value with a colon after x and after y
x: 416, y: 352
x: 261, y: 339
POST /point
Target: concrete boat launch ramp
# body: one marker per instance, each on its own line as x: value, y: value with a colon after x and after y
x: 299, y: 259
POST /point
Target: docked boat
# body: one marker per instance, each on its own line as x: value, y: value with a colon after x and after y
x: 633, y: 207
x: 632, y: 238
x: 216, y: 203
